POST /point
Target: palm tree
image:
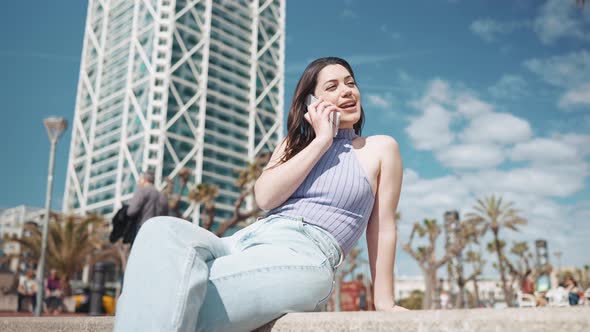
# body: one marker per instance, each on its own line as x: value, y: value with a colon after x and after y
x: 205, y: 194
x: 496, y: 215
x: 71, y: 240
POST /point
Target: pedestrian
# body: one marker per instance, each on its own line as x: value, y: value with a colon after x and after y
x: 53, y: 293
x: 321, y: 192
x: 147, y: 202
x: 571, y: 286
x: 27, y: 290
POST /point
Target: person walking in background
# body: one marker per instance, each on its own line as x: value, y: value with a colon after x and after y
x: 53, y: 293
x: 147, y: 202
x: 27, y: 289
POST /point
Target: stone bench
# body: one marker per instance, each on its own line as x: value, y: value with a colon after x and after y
x: 573, y: 319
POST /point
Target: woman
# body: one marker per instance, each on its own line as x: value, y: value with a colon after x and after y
x: 571, y: 286
x: 321, y: 191
x: 53, y: 293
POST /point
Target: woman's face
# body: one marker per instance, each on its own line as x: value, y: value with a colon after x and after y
x: 336, y: 85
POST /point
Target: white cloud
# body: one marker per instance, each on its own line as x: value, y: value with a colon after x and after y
x: 579, y: 96
x: 568, y: 70
x: 430, y: 198
x: 497, y: 128
x: 487, y: 29
x: 466, y: 135
x: 556, y: 19
x: 581, y: 142
x: 509, y: 87
x: 443, y: 108
x: 380, y: 101
x: 431, y: 130
x: 471, y: 156
x: 438, y: 93
x: 471, y: 106
x: 561, y: 19
x: 546, y: 181
x: 544, y: 150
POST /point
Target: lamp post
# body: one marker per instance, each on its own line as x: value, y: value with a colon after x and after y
x: 55, y: 127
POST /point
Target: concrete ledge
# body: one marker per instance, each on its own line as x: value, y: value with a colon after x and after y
x: 574, y: 319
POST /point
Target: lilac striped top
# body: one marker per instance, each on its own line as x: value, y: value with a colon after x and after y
x: 336, y: 195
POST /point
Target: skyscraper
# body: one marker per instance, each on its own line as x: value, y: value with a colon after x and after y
x: 168, y: 84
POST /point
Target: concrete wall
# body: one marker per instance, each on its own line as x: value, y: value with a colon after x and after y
x: 573, y: 319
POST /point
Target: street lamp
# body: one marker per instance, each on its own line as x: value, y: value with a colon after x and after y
x: 55, y: 127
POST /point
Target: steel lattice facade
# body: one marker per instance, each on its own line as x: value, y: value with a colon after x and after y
x: 168, y: 84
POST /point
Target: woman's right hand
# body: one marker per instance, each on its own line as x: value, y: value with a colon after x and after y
x: 318, y: 116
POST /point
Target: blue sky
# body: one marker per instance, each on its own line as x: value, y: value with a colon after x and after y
x: 484, y: 97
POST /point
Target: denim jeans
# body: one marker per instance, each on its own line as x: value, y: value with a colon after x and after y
x: 181, y: 277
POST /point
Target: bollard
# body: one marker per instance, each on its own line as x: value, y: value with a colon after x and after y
x: 97, y: 290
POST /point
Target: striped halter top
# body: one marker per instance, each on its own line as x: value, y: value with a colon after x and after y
x: 336, y: 195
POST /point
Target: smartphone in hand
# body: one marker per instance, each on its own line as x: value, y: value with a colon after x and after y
x: 334, y: 116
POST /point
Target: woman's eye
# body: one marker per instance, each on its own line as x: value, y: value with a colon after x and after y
x: 350, y: 83
x: 330, y: 87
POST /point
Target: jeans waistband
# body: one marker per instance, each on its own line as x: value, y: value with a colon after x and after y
x: 325, y: 241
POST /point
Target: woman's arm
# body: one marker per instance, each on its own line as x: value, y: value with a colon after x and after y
x: 276, y: 184
x: 381, y: 231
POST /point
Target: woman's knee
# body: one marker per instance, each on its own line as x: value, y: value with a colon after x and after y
x: 157, y: 227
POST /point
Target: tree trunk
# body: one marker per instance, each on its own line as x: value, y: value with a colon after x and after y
x: 211, y: 215
x: 476, y: 290
x: 460, y: 300
x: 204, y: 221
x: 430, y: 283
x: 507, y: 293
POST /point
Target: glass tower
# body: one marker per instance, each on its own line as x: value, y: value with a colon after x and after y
x: 169, y: 84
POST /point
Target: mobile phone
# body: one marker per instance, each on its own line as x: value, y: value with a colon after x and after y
x: 334, y: 116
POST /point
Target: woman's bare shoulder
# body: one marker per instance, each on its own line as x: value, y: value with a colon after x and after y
x: 377, y: 147
x: 381, y: 142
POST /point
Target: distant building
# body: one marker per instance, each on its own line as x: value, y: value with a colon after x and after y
x: 166, y: 85
x: 12, y: 222
x: 488, y: 288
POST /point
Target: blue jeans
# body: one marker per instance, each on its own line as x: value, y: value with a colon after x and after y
x: 181, y: 277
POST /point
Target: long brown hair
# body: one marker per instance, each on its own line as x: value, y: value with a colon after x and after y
x: 299, y: 132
